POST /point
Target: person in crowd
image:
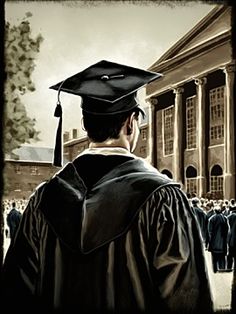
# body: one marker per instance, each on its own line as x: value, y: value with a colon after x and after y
x: 210, y: 211
x: 231, y: 256
x: 13, y: 220
x: 218, y: 229
x: 6, y: 210
x: 201, y: 217
x: 108, y: 233
x: 226, y: 208
x: 202, y: 203
x: 232, y: 205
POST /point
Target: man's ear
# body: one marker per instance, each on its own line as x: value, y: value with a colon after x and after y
x: 130, y: 124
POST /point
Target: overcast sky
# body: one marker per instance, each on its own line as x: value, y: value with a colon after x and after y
x: 77, y: 35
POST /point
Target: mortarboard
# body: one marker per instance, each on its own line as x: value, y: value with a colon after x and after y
x: 106, y: 88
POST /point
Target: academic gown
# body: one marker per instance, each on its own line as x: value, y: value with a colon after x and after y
x: 202, y: 220
x: 119, y: 239
x: 218, y: 229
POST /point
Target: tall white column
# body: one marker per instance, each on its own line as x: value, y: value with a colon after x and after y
x: 178, y: 135
x: 229, y: 135
x: 151, y: 130
x: 201, y: 134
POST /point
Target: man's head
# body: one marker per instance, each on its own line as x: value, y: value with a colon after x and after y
x: 195, y: 201
x: 117, y: 128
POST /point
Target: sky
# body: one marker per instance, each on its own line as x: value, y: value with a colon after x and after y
x: 77, y: 34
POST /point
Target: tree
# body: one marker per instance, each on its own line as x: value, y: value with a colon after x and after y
x: 20, y: 53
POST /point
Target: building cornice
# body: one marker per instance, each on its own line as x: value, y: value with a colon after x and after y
x: 193, y: 52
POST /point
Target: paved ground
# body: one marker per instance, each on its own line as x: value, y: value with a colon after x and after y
x: 221, y: 286
x: 221, y: 283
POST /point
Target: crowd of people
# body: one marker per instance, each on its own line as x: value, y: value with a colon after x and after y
x: 216, y: 218
x: 217, y: 222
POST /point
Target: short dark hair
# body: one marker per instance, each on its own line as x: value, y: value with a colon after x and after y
x: 13, y: 204
x: 102, y: 127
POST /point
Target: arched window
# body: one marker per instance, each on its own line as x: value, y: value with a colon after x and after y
x: 191, y: 172
x: 216, y: 171
x: 191, y: 180
x: 168, y: 173
x: 216, y: 181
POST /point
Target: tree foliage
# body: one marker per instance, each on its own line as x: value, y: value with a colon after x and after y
x: 20, y: 53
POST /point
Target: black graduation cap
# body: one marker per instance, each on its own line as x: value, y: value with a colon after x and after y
x: 106, y: 88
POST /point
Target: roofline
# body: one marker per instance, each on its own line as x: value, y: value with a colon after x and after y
x: 27, y: 161
x: 75, y: 141
x: 203, y: 23
x: 34, y: 146
x: 198, y: 49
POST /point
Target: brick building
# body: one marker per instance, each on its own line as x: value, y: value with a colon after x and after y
x: 192, y: 105
x: 25, y: 169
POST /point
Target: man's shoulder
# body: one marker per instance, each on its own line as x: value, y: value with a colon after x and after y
x: 232, y: 216
x: 139, y: 169
x: 11, y: 212
x: 201, y: 211
x: 212, y: 217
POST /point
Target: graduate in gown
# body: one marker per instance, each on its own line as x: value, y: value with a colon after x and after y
x: 108, y: 233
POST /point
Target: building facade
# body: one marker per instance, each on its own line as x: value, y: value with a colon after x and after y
x: 26, y: 169
x: 192, y: 109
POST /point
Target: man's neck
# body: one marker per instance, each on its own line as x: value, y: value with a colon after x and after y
x: 111, y: 143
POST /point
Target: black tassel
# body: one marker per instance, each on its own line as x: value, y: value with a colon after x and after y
x: 58, y: 110
x: 57, y: 160
x: 58, y: 154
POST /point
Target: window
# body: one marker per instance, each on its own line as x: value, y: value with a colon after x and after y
x: 217, y: 115
x: 216, y: 181
x: 79, y: 149
x: 30, y: 187
x: 191, y: 180
x: 217, y: 131
x: 143, y: 150
x: 17, y: 187
x: 168, y: 125
x: 191, y: 122
x: 17, y: 169
x: 34, y: 170
x: 143, y: 134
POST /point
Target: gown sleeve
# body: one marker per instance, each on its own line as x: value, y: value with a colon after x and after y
x: 21, y: 264
x: 178, y: 261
